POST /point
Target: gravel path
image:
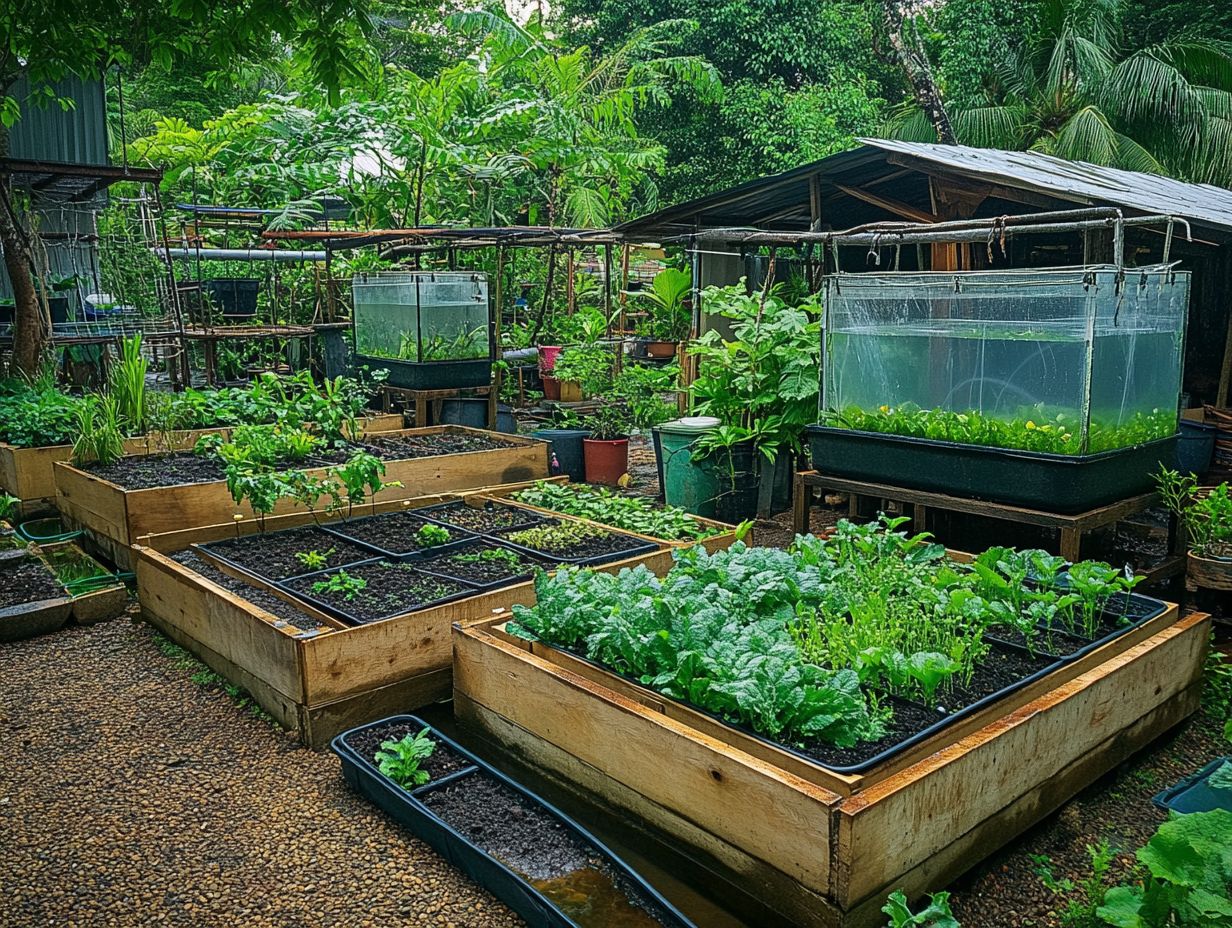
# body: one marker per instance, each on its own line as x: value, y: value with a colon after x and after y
x: 131, y: 796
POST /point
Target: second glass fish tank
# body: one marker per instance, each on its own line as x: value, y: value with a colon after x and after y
x: 429, y: 329
x: 1073, y: 364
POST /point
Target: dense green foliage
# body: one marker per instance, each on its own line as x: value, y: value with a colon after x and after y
x: 797, y: 644
x: 1205, y: 514
x: 1033, y: 429
x: 601, y: 504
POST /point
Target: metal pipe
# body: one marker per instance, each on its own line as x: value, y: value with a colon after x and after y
x: 185, y: 253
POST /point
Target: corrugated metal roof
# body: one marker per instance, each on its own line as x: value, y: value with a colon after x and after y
x: 1029, y: 170
x: 782, y: 201
x: 77, y: 135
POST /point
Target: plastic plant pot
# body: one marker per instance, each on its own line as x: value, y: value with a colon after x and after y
x: 568, y: 454
x: 1195, y: 446
x: 606, y: 461
x: 570, y: 391
x: 551, y: 388
x: 661, y: 349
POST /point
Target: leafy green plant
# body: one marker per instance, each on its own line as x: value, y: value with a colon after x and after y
x: 360, y: 476
x: 430, y: 536
x: 34, y: 415
x: 1217, y: 690
x: 936, y: 914
x: 8, y: 505
x: 601, y: 504
x: 402, y: 760
x: 1206, y: 515
x: 496, y: 556
x: 609, y: 422
x: 128, y: 384
x: 1080, y: 912
x: 1188, y: 878
x: 670, y: 319
x: 556, y: 537
x: 99, y: 436
x: 313, y: 560
x: 343, y: 583
x: 261, y: 489
x: 590, y: 366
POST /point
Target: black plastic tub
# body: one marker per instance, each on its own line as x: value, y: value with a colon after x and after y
x: 439, y: 514
x: 1195, y: 793
x: 1034, y: 480
x: 430, y: 375
x: 566, y: 451
x: 408, y: 809
x: 436, y: 569
x: 943, y: 721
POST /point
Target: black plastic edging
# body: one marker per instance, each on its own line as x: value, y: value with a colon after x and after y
x: 343, y: 616
x: 405, y: 807
x: 339, y: 531
x: 638, y: 547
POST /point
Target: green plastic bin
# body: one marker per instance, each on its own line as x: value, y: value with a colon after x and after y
x: 691, y: 485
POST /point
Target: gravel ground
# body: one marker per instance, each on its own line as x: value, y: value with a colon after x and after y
x: 131, y: 796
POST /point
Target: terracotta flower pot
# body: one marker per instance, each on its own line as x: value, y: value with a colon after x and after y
x: 606, y: 461
x: 551, y: 387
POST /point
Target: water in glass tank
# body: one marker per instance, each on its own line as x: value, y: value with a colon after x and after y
x: 1003, y: 359
x: 422, y: 317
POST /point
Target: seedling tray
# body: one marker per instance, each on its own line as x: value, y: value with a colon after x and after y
x: 1049, y: 482
x: 636, y: 547
x: 408, y: 809
x: 428, y: 568
x: 1195, y: 794
x: 341, y: 530
x: 438, y: 514
x: 343, y: 616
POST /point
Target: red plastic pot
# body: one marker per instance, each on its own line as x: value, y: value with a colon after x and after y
x: 547, y: 356
x: 551, y: 387
x: 661, y: 349
x: 606, y: 461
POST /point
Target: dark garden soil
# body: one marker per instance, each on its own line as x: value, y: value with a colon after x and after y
x: 267, y: 601
x: 393, y: 532
x: 490, y: 518
x: 442, y: 762
x: 1000, y: 668
x: 392, y: 590
x: 537, y: 846
x: 596, y: 543
x: 908, y: 719
x: 273, y: 554
x: 426, y: 446
x: 466, y: 565
x: 27, y: 580
x: 143, y: 472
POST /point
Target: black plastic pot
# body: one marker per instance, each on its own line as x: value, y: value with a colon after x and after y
x: 460, y: 411
x: 234, y: 297
x: 58, y: 307
x: 1051, y: 482
x: 430, y: 375
x: 739, y: 488
x: 567, y: 452
x: 407, y: 808
x: 1195, y: 446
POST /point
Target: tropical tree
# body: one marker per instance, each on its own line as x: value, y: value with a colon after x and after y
x: 48, y: 40
x: 1070, y: 91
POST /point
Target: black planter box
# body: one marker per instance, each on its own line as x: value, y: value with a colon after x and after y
x: 234, y: 297
x: 406, y: 808
x: 1031, y: 479
x: 430, y: 375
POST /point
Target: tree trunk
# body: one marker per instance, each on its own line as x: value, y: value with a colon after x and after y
x: 911, y: 54
x: 31, y: 326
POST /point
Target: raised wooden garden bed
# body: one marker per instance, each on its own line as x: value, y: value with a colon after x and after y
x: 818, y: 847
x: 113, y: 518
x: 317, y: 676
x: 29, y: 473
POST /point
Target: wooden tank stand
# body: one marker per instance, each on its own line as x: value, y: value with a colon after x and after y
x: 419, y: 400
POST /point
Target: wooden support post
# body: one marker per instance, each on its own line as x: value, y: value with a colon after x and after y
x: 1071, y: 544
x: 801, y: 502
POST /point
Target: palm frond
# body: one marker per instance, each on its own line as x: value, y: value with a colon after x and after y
x: 990, y: 126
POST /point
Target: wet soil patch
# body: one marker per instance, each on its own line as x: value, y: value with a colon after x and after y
x: 441, y: 763
x: 267, y: 601
x: 393, y: 532
x: 273, y: 554
x: 392, y: 589
x: 27, y: 580
x: 490, y: 518
x: 144, y: 472
x: 576, y: 542
x: 529, y: 841
x: 484, y: 563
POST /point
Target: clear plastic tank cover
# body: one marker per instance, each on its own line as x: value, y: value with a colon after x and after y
x: 422, y: 316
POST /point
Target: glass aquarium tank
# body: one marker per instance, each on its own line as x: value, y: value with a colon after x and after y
x: 429, y: 329
x: 1067, y: 365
